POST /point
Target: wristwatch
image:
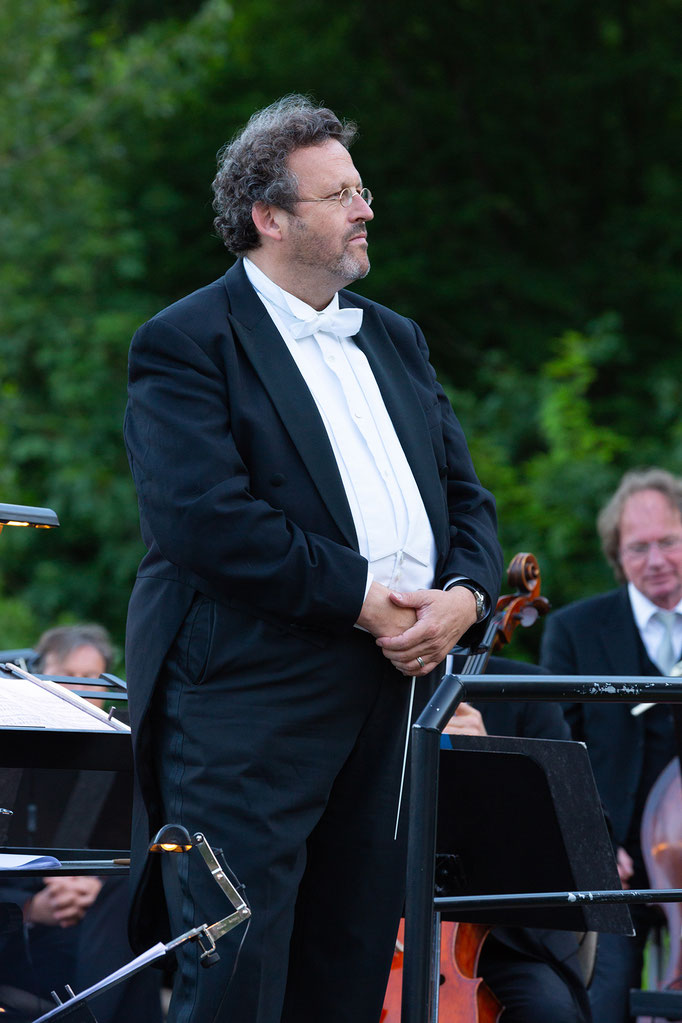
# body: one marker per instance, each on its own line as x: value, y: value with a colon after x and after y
x: 481, y: 600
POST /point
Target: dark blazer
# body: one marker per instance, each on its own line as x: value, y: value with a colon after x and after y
x: 240, y: 496
x: 592, y: 637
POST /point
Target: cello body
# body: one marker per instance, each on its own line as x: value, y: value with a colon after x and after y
x: 662, y: 850
x: 463, y: 996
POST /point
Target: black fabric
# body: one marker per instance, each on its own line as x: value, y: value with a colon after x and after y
x: 40, y: 959
x: 531, y: 990
x: 103, y: 948
x: 45, y: 794
x: 598, y: 636
x: 618, y: 970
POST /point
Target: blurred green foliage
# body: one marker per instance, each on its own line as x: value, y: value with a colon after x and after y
x: 526, y: 163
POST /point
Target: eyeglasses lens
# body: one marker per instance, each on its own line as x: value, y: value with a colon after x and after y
x: 348, y: 194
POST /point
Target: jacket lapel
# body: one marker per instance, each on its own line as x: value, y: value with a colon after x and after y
x: 619, y: 637
x: 286, y: 388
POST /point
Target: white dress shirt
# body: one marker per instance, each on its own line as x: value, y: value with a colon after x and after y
x: 650, y: 628
x: 393, y: 530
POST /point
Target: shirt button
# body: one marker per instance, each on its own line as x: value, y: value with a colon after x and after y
x: 357, y: 414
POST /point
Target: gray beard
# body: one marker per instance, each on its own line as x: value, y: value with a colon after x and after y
x: 349, y: 269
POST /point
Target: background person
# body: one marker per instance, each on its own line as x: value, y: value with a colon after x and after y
x: 74, y: 927
x: 79, y: 651
x: 634, y: 630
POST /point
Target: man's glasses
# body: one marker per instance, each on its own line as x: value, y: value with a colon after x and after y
x: 641, y: 549
x: 345, y: 197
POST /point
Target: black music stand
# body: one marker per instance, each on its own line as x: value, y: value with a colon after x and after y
x: 66, y: 776
x: 523, y: 815
x: 80, y: 788
x: 420, y: 903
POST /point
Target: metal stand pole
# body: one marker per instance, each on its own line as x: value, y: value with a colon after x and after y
x: 417, y: 998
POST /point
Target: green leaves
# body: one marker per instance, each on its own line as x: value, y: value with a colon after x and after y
x: 525, y: 161
x: 73, y: 289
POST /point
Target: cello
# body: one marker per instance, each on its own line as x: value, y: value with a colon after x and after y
x: 464, y: 997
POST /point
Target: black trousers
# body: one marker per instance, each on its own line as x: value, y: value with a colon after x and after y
x: 532, y: 990
x: 620, y: 960
x: 288, y: 757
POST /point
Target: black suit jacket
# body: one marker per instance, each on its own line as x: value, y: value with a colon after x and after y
x: 240, y: 496
x: 592, y: 637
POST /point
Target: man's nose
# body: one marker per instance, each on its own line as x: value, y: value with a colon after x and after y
x: 655, y: 555
x: 359, y: 209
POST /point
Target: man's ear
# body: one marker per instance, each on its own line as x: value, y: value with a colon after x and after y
x: 268, y: 220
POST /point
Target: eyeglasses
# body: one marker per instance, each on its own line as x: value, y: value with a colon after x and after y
x: 640, y: 549
x: 345, y: 197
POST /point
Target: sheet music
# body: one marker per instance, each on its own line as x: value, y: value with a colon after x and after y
x: 14, y: 861
x: 31, y: 703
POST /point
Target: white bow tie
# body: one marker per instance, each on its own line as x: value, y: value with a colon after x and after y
x: 342, y: 323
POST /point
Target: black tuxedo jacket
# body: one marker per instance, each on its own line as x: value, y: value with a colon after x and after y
x: 599, y: 636
x: 240, y: 496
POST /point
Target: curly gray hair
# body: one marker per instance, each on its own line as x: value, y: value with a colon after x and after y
x: 608, y: 521
x: 252, y: 167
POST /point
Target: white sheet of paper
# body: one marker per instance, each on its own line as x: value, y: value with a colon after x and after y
x: 23, y: 704
x: 11, y: 861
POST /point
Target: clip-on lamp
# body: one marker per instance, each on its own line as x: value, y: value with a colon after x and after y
x: 24, y: 515
x: 173, y: 838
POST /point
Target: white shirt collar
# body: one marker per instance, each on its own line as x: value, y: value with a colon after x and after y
x: 283, y: 300
x: 643, y: 609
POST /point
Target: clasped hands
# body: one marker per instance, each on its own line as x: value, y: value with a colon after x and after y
x: 63, y: 901
x: 417, y: 630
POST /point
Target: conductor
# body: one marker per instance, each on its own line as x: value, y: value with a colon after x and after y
x: 316, y: 536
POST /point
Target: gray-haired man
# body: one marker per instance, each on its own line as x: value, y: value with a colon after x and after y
x: 306, y: 495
